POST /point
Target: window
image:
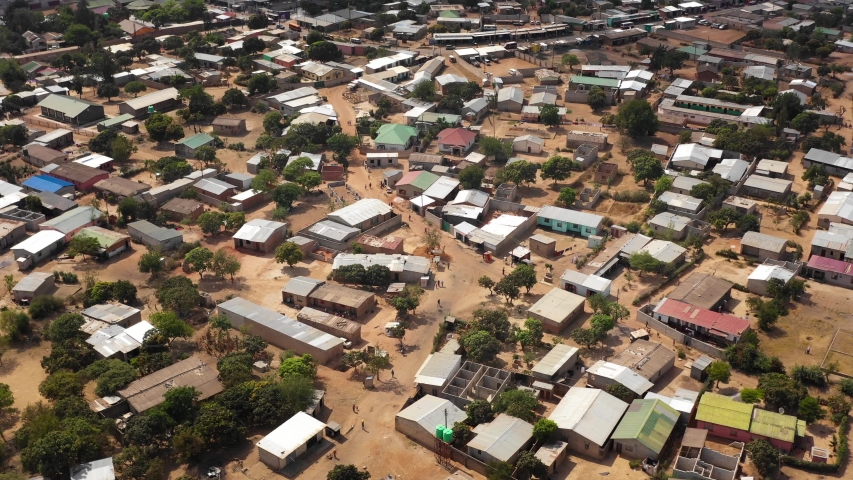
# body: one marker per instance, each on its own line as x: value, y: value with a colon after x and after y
x: 586, y: 446
x: 733, y: 432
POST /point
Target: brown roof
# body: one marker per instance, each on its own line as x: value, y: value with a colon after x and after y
x: 644, y: 357
x: 150, y: 391
x: 7, y: 226
x: 425, y: 158
x: 228, y: 121
x: 671, y: 119
x: 182, y: 206
x: 341, y: 295
x: 701, y: 290
x: 314, y: 317
x: 76, y: 172
x: 48, y: 155
x: 122, y: 186
x: 694, y: 437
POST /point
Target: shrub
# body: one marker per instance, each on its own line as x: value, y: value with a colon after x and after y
x: 725, y: 253
x: 632, y: 196
x: 44, y: 305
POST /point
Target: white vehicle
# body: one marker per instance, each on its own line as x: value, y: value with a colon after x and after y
x: 452, y: 59
x: 513, y: 71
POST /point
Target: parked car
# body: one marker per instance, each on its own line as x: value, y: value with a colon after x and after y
x: 494, y: 58
x: 723, y: 27
x: 513, y: 71
x: 486, y: 61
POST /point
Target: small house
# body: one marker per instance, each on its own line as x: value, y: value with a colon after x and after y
x: 703, y: 290
x: 150, y: 391
x: 648, y: 359
x: 39, y: 155
x: 363, y: 214
x: 81, y: 176
x: 456, y: 141
x: 419, y: 420
x: 37, y: 248
x: 296, y: 291
x: 584, y: 285
x: 436, y: 372
x: 290, y: 440
x: 111, y: 242
x: 645, y: 429
x: 556, y: 363
x: 11, y: 232
x: 381, y: 159
x: 229, y: 126
x: 510, y: 99
x: 556, y: 309
x: 214, y: 191
x: 683, y: 401
x: 500, y: 440
x: 158, y: 101
x: 569, y: 221
x: 603, y: 374
x: 762, y: 246
x: 120, y: 188
x: 724, y: 417
x: 425, y: 161
x: 528, y: 144
x: 188, y: 146
x: 543, y: 245
x: 33, y: 285
x: 395, y: 137
x: 760, y: 278
x: 414, y: 183
x: 151, y: 235
x: 71, y: 222
x: 178, y: 209
x: 112, y: 314
x: 586, y: 418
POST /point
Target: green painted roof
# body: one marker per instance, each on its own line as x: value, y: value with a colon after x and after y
x: 692, y: 50
x: 106, y: 238
x: 197, y: 140
x: 719, y: 410
x: 449, y: 14
x: 425, y: 180
x: 29, y: 67
x: 70, y: 106
x: 90, y: 4
x: 395, y: 134
x: 650, y: 422
x: 827, y: 31
x: 773, y: 425
x: 124, y: 117
x: 601, y: 82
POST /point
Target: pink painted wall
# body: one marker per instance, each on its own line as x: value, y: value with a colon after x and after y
x: 724, y: 432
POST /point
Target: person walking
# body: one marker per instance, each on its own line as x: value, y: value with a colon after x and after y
x: 392, y: 373
x: 335, y: 454
x: 362, y: 424
x: 439, y: 302
x: 353, y: 408
x: 809, y: 350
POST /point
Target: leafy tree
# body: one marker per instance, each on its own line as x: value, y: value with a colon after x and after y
x: 235, y: 220
x: 118, y: 376
x: 806, y: 122
x: 644, y: 261
x: 520, y: 172
x: 162, y: 127
x: 525, y: 276
x: 224, y: 263
x: 108, y: 91
x: 722, y: 218
x: 324, y: 52
x: 620, y: 391
x: 571, y: 60
x: 66, y: 327
x: 211, y: 222
x: 79, y: 35
x: 719, y: 372
x: 748, y: 223
x: 309, y: 180
x: 751, y: 395
x: 812, y: 375
x: 235, y: 368
x: 261, y: 83
x: 199, y: 259
x: 558, y: 168
x: 486, y: 283
x: 471, y: 177
x: 52, y: 455
x: 289, y: 253
x: 674, y: 60
x: 218, y: 425
x: 206, y: 154
x: 150, y: 262
x: 531, y: 334
x: 509, y: 288
x: 121, y: 149
x: 498, y: 149
x: 647, y: 168
x: 597, y: 99
x: 479, y: 411
x: 637, y: 118
x: 12, y: 75
x: 550, y: 115
x: 303, y: 366
x: 567, y: 197
x: 543, y: 430
x: 15, y: 324
x: 256, y: 22
x: 764, y: 456
x: 234, y: 97
x: 586, y: 337
x: 60, y: 385
x: 767, y: 312
x: 82, y: 244
x: 810, y: 410
x: 481, y: 346
x: 168, y: 324
x: 499, y: 471
x: 424, y: 91
x: 781, y: 391
x: 517, y: 403
x: 494, y: 321
x: 347, y: 472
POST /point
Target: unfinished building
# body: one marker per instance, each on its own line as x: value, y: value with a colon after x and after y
x: 475, y: 382
x: 696, y: 461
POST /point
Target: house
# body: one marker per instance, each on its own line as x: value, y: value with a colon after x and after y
x: 474, y: 110
x: 120, y: 188
x: 448, y: 80
x: 178, y: 209
x: 102, y: 469
x: 71, y: 222
x: 33, y: 285
x: 341, y: 299
x: 331, y: 323
x: 683, y: 204
x: 297, y: 290
x: 425, y: 161
x: 583, y: 284
x: 151, y: 235
x: 363, y: 214
x: 731, y: 169
x: 229, y: 126
x: 381, y: 160
x: 528, y: 144
x: 648, y: 359
x: 758, y: 280
x: 721, y: 327
x: 586, y: 418
x: 683, y: 401
x: 331, y: 234
x: 742, y: 205
x: 456, y: 141
x: 46, y: 183
x: 113, y: 341
x: 419, y: 420
x: 724, y: 417
x: 414, y: 183
x: 81, y: 176
x: 72, y: 110
x: 96, y: 160
x: 110, y: 314
x: 39, y: 155
x: 442, y: 189
x: 645, y: 429
x: 111, y: 242
x: 779, y: 429
x: 282, y: 331
x: 436, y: 372
x: 395, y: 137
x: 56, y: 139
x: 474, y: 198
x: 603, y: 374
x: 137, y: 28
x: 556, y: 309
x: 260, y: 235
x: 693, y: 156
x: 149, y: 391
x: 290, y: 440
x: 760, y: 186
x: 678, y: 227
x: 11, y: 231
x: 569, y: 221
x: 836, y: 209
x: 214, y: 191
x: 404, y: 268
x: 833, y: 163
x: 762, y: 246
x: 803, y: 86
x: 159, y: 101
x: 844, y: 46
x: 510, y: 99
x: 555, y: 364
x: 188, y: 146
x: 37, y: 248
x: 703, y: 290
x: 760, y: 72
x: 830, y: 270
x: 500, y: 440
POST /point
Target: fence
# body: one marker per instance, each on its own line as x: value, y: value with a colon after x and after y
x: 761, y: 51
x: 690, y: 38
x: 533, y: 60
x: 392, y: 222
x: 677, y: 336
x: 48, y: 123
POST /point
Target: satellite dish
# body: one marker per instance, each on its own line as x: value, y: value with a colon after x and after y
x: 782, y: 410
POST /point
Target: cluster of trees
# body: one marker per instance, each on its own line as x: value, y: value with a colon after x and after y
x: 664, y: 58
x: 374, y: 275
x: 179, y: 294
x: 212, y: 222
x: 407, y: 301
x: 221, y: 263
x: 113, y: 144
x: 490, y: 329
x: 519, y: 172
x: 768, y: 311
x: 636, y: 118
x: 121, y: 291
x: 510, y: 285
x: 646, y: 166
x: 170, y: 168
x: 724, y: 217
x: 558, y: 168
x: 605, y: 318
x: 162, y: 127
x: 803, y: 44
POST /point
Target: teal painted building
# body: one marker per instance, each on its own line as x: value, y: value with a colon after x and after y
x: 570, y: 221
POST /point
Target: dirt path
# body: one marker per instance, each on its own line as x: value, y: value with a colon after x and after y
x: 346, y: 115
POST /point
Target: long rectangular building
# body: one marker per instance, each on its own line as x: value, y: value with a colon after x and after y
x: 160, y: 100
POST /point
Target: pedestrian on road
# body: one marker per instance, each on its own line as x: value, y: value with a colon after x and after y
x: 335, y: 454
x: 353, y: 408
x: 392, y: 373
x: 362, y: 424
x: 439, y: 302
x: 809, y: 350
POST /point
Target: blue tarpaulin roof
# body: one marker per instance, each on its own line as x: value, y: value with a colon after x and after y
x: 44, y: 183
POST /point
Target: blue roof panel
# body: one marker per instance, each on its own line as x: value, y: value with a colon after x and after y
x: 45, y: 183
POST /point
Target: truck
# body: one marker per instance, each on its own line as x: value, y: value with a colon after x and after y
x: 452, y: 59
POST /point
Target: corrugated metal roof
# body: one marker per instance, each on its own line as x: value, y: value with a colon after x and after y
x: 146, y: 101
x: 429, y: 412
x: 773, y: 425
x: 591, y: 413
x: 554, y: 360
x: 291, y: 435
x: 70, y: 106
x: 150, y: 391
x: 650, y: 422
x: 503, y: 437
x: 768, y: 272
x: 441, y: 188
x: 763, y: 242
x: 719, y: 410
x: 301, y: 286
x: 438, y: 368
x: 679, y: 200
x: 73, y: 219
x: 97, y: 470
x: 646, y: 358
x: 32, y: 282
x: 703, y: 317
x: 664, y: 250
x: 339, y: 294
x: 259, y: 230
x: 312, y: 316
x: 571, y: 216
x: 395, y: 263
x: 683, y: 400
x: 39, y: 241
x: 332, y: 230
x: 158, y: 233
x: 621, y: 374
x: 701, y: 289
x: 110, y: 312
x: 556, y: 305
x: 213, y: 186
x: 778, y: 185
x: 360, y: 212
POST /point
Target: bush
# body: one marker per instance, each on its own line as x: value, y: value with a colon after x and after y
x: 238, y: 146
x: 726, y: 253
x: 633, y: 196
x: 841, y: 452
x: 846, y: 386
x: 809, y: 375
x: 44, y: 305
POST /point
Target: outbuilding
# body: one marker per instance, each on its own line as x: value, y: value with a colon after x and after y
x: 158, y: 102
x: 436, y: 371
x: 330, y: 323
x: 37, y: 248
x: 528, y: 144
x: 11, y: 231
x: 150, y: 391
x: 585, y: 285
x: 420, y: 420
x: 188, y: 146
x: 33, y: 285
x: 559, y: 360
x: 102, y: 469
x: 586, y: 418
x: 760, y: 278
x: 556, y: 309
x: 151, y: 235
x: 500, y: 440
x: 762, y: 246
x: 229, y: 126
x: 260, y: 235
x: 290, y: 440
x: 178, y: 209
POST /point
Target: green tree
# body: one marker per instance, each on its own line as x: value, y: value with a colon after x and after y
x: 79, y: 35
x: 781, y: 391
x: 471, y: 177
x: 168, y: 324
x: 497, y: 149
x: 571, y: 60
x: 647, y: 168
x: 218, y: 425
x: 586, y: 337
x: 719, y: 372
x: 235, y: 368
x: 637, y: 118
x: 82, y: 244
x: 66, y: 327
x: 347, y: 472
x: 309, y: 180
x: 517, y: 403
x: 481, y: 346
x: 550, y: 115
x: 806, y: 122
x: 108, y: 91
x: 810, y: 410
x: 61, y: 384
x: 558, y: 168
x: 234, y: 97
x: 543, y: 430
x: 162, y: 127
x: 479, y: 411
x: 324, y: 52
x: 520, y: 172
x: 644, y: 261
x: 199, y: 259
x: 273, y: 122
x: 529, y: 466
x: 289, y: 253
x: 597, y: 99
x: 722, y: 218
x: 424, y: 91
x: 135, y: 88
x: 499, y: 471
x: 51, y: 455
x: 525, y: 276
x: 14, y: 324
x: 211, y: 222
x: 206, y: 154
x: 567, y: 197
x: 261, y: 83
x: 764, y: 456
x: 509, y: 288
x: 121, y: 149
x: 751, y: 395
x: 150, y: 262
x: 486, y: 283
x: 748, y: 223
x: 620, y: 391
x: 303, y: 366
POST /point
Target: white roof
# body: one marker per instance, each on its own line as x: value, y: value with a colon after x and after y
x: 212, y: 185
x: 681, y: 200
x: 388, y: 61
x: 838, y: 204
x: 529, y: 138
x: 258, y: 230
x: 768, y: 272
x: 591, y: 413
x: 441, y: 188
x: 474, y: 197
x: 291, y: 435
x: 800, y: 95
x: 294, y: 94
x: 643, y: 75
x: 429, y: 412
x: 556, y: 305
x: 465, y: 228
x: 360, y: 211
x: 804, y: 82
x: 554, y: 360
x: 663, y: 250
x: 449, y: 78
x: 503, y: 437
x: 683, y: 400
x: 422, y: 201
x: 696, y: 153
x: 731, y: 169
x: 97, y: 470
x: 94, y: 160
x: 137, y: 331
x: 438, y: 368
x: 395, y: 263
x: 624, y: 375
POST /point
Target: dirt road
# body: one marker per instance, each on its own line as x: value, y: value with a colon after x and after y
x: 346, y: 115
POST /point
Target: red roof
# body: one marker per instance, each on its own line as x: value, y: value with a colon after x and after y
x: 830, y: 264
x: 409, y: 178
x: 456, y: 136
x: 701, y: 317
